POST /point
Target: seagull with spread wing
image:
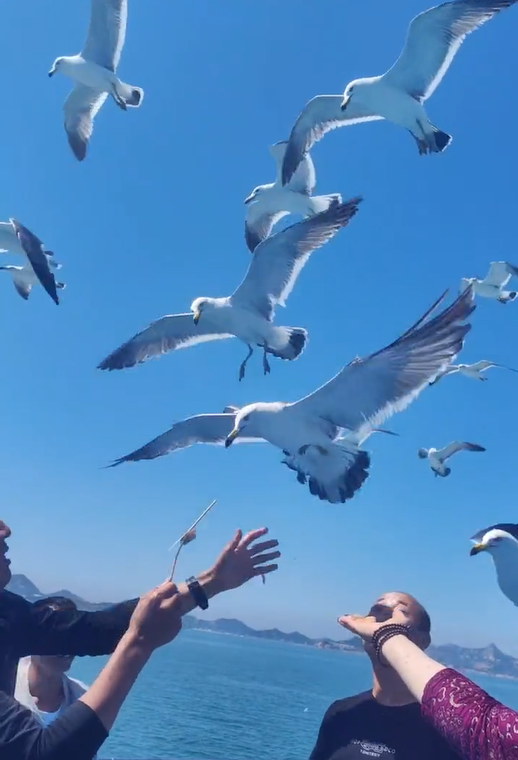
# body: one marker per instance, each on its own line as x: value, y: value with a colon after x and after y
x: 432, y: 41
x: 39, y: 262
x: 470, y: 370
x: 248, y: 313
x: 492, y: 286
x: 500, y: 541
x: 267, y: 204
x: 313, y: 431
x: 437, y: 457
x: 94, y: 73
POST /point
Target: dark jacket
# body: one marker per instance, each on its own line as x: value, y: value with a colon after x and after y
x: 77, y: 733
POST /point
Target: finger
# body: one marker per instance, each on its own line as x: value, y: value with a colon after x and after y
x: 234, y: 542
x: 264, y: 570
x: 263, y: 546
x: 265, y: 558
x: 165, y: 590
x: 252, y: 536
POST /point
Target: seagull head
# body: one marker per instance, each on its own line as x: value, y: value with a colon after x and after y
x: 422, y: 453
x: 495, y: 540
x: 56, y: 66
x: 256, y: 192
x: 197, y: 306
x: 253, y: 413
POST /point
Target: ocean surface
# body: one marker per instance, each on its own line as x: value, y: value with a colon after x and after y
x: 210, y: 696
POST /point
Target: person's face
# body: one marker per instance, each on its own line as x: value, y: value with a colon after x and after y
x: 5, y: 571
x: 385, y: 604
x: 55, y: 664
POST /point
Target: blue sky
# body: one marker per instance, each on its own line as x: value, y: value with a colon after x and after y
x: 154, y: 217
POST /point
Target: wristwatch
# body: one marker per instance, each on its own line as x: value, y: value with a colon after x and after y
x: 198, y: 594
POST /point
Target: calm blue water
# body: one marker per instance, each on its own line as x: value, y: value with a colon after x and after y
x: 214, y: 697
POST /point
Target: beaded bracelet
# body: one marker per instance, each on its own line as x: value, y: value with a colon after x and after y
x: 385, y: 633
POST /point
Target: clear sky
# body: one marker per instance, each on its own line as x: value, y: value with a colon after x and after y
x: 154, y: 217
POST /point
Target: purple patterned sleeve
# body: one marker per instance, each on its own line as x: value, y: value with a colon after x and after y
x: 476, y: 725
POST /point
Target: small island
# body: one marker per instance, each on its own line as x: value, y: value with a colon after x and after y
x: 487, y: 660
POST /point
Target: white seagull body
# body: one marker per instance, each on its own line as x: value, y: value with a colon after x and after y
x: 433, y: 39
x: 492, y: 286
x: 267, y: 204
x: 437, y: 457
x: 312, y: 432
x: 248, y: 313
x: 470, y: 370
x: 94, y: 73
x: 501, y: 542
x: 16, y: 238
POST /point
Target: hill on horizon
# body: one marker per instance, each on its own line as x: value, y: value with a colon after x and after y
x: 489, y: 660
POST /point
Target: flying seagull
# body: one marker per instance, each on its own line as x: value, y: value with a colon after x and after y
x: 492, y: 286
x: 310, y: 432
x: 437, y: 457
x: 248, y: 313
x: 433, y: 38
x: 16, y: 238
x: 267, y: 204
x: 94, y: 73
x: 470, y: 370
x: 501, y: 542
x: 24, y: 277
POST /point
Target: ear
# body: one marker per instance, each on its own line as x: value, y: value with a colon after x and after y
x: 421, y: 639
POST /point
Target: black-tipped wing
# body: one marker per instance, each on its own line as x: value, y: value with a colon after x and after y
x: 456, y: 446
x: 204, y: 428
x: 322, y: 114
x: 80, y: 110
x: 171, y: 332
x: 433, y: 39
x: 511, y: 528
x: 35, y: 252
x: 370, y: 390
x: 106, y: 33
x: 277, y: 261
x: 304, y: 179
x: 259, y: 223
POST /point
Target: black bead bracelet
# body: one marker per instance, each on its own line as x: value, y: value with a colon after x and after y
x: 385, y: 633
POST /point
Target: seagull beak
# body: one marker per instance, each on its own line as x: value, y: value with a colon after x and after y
x: 249, y: 199
x: 345, y: 103
x: 196, y: 317
x: 52, y: 72
x: 477, y: 549
x: 231, y: 437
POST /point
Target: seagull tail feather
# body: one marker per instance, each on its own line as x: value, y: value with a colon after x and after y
x: 292, y: 341
x: 320, y: 203
x: 442, y: 140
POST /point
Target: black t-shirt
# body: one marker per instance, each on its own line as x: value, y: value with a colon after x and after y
x: 359, y: 728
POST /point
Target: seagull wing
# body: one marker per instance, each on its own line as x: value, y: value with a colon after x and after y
x: 433, y: 39
x: 454, y: 447
x: 304, y: 179
x: 322, y: 114
x: 80, y: 109
x: 166, y: 334
x: 498, y: 275
x: 259, y: 223
x: 39, y: 262
x: 482, y: 365
x: 370, y: 390
x: 446, y: 371
x: 204, y: 428
x: 277, y: 261
x: 106, y: 33
x: 22, y: 286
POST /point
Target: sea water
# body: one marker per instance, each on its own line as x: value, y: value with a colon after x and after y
x: 210, y: 696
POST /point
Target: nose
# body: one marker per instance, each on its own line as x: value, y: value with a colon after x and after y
x: 5, y: 530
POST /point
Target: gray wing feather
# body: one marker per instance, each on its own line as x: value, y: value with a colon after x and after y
x: 368, y: 391
x: 80, y: 110
x: 454, y: 447
x: 433, y: 39
x: 39, y: 262
x: 171, y: 332
x: 320, y: 115
x: 278, y: 260
x: 204, y: 428
x: 259, y: 226
x: 22, y: 287
x: 304, y: 179
x: 106, y: 32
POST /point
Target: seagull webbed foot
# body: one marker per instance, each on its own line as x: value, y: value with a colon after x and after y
x: 266, y: 365
x: 243, y: 364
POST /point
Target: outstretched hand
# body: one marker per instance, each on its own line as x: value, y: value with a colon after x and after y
x: 243, y: 559
x: 366, y: 625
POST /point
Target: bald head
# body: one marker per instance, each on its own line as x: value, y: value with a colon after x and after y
x: 418, y: 617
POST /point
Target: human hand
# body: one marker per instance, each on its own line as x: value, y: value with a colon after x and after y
x: 242, y: 559
x: 366, y: 626
x: 157, y: 618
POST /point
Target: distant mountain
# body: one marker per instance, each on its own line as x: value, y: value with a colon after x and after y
x: 488, y: 660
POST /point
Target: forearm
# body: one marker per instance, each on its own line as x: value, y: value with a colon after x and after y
x: 412, y: 665
x: 111, y: 687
